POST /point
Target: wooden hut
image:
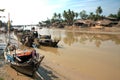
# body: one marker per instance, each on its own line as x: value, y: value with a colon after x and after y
x: 106, y: 23
x: 84, y: 23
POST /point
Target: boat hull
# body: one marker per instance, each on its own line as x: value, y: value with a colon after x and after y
x: 25, y: 68
x: 48, y: 42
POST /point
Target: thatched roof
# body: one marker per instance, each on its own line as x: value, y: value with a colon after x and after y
x: 111, y: 18
x: 84, y: 21
x: 79, y: 21
x: 104, y: 22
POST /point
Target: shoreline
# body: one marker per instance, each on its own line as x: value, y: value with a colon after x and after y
x: 107, y: 30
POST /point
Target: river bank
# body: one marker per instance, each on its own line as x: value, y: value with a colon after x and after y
x: 8, y: 73
x: 105, y: 30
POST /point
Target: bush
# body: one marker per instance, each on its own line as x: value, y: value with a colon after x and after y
x: 1, y: 78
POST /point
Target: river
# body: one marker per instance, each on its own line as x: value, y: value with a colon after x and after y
x: 84, y: 56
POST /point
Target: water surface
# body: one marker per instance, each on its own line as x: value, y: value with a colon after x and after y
x: 86, y: 56
x: 83, y: 56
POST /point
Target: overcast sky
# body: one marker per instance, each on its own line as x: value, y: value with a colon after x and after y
x: 33, y: 11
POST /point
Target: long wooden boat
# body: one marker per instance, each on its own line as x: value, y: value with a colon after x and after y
x: 46, y: 40
x: 24, y: 61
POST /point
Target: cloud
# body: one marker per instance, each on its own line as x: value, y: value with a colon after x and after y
x: 31, y: 11
x: 27, y: 11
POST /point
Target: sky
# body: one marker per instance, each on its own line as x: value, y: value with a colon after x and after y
x: 33, y: 11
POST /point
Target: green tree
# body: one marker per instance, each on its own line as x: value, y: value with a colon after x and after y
x: 65, y: 15
x: 83, y: 14
x: 59, y: 16
x: 55, y: 16
x: 76, y: 15
x: 112, y: 15
x: 99, y: 10
x: 91, y: 16
x: 118, y: 14
x: 69, y: 16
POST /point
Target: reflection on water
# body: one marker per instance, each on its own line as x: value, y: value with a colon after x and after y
x: 87, y: 56
x: 84, y: 38
x: 50, y: 49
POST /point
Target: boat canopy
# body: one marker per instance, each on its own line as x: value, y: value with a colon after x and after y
x: 44, y: 31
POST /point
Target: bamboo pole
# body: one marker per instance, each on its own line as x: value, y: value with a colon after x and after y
x: 8, y: 27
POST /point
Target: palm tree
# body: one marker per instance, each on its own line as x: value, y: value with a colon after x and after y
x: 83, y: 14
x: 99, y: 10
x: 59, y: 16
x: 76, y: 15
x: 118, y: 14
x: 91, y: 16
x: 65, y: 15
x: 69, y: 16
x: 55, y: 16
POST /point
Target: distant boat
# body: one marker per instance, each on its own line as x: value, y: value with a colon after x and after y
x: 45, y: 38
x: 39, y: 37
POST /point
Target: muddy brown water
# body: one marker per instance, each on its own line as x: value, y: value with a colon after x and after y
x: 83, y: 56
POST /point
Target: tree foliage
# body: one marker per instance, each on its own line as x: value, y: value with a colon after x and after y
x: 83, y: 14
x: 69, y: 16
x: 112, y: 15
x: 99, y: 10
x: 91, y: 16
x: 118, y: 14
x: 76, y: 15
x: 55, y: 16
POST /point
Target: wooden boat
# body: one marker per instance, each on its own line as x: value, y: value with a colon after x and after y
x: 46, y: 40
x: 24, y: 61
x: 28, y: 38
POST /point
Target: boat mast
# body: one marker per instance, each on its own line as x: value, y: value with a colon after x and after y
x: 8, y: 27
